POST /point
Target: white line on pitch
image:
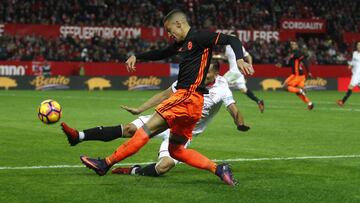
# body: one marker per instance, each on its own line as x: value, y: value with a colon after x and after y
x: 271, y: 106
x: 224, y: 160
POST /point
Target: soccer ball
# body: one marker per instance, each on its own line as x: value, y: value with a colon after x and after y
x: 49, y: 111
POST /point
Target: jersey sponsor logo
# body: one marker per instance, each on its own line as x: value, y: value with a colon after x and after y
x: 189, y: 45
x: 270, y: 84
x: 12, y: 70
x: 44, y: 83
x: 136, y: 83
x: 7, y: 82
x: 98, y: 83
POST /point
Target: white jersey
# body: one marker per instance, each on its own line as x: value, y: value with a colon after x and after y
x: 219, y: 93
x: 355, y: 63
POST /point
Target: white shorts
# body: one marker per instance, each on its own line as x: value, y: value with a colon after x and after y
x: 164, y: 147
x: 355, y: 79
x: 236, y: 80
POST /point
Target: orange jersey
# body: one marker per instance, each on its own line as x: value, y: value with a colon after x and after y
x: 296, y: 64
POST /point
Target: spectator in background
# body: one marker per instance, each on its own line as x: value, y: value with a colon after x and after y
x: 245, y: 14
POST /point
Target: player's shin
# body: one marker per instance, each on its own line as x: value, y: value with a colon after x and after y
x: 149, y: 170
x: 191, y: 157
x: 304, y: 98
x: 252, y: 96
x: 140, y: 138
x: 102, y: 133
x: 293, y: 89
x: 347, y: 95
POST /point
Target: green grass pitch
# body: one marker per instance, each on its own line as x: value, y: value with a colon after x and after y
x: 311, y: 140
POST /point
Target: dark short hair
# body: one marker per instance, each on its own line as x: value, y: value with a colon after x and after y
x: 172, y: 13
x: 216, y: 65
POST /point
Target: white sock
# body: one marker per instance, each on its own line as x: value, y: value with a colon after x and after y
x: 81, y: 135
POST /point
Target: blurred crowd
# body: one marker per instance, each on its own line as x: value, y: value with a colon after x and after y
x: 341, y: 15
x: 72, y: 49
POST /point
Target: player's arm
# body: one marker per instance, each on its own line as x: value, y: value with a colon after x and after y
x: 210, y: 39
x: 153, y: 55
x: 153, y: 101
x: 237, y: 47
x: 237, y: 117
x: 229, y: 102
x: 249, y: 59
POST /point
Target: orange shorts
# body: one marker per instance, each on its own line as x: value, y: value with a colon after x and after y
x: 296, y: 81
x: 182, y: 111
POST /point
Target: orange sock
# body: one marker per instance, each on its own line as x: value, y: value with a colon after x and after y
x: 129, y: 148
x: 191, y: 157
x: 293, y: 89
x: 304, y: 98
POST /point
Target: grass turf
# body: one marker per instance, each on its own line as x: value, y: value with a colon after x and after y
x: 286, y: 129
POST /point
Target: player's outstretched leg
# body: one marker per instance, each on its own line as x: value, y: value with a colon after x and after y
x: 342, y: 101
x: 154, y: 125
x: 126, y: 170
x: 304, y: 98
x: 162, y: 166
x: 101, y: 166
x: 197, y: 160
x: 302, y: 95
x: 148, y: 170
x: 99, y: 133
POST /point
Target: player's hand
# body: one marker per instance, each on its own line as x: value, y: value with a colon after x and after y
x: 130, y: 63
x: 243, y: 128
x: 244, y: 67
x: 133, y: 111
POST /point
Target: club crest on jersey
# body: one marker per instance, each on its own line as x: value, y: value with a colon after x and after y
x: 189, y: 45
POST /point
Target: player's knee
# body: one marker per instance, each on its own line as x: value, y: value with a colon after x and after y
x: 129, y: 130
x: 164, y: 165
x: 176, y: 151
x: 243, y: 90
